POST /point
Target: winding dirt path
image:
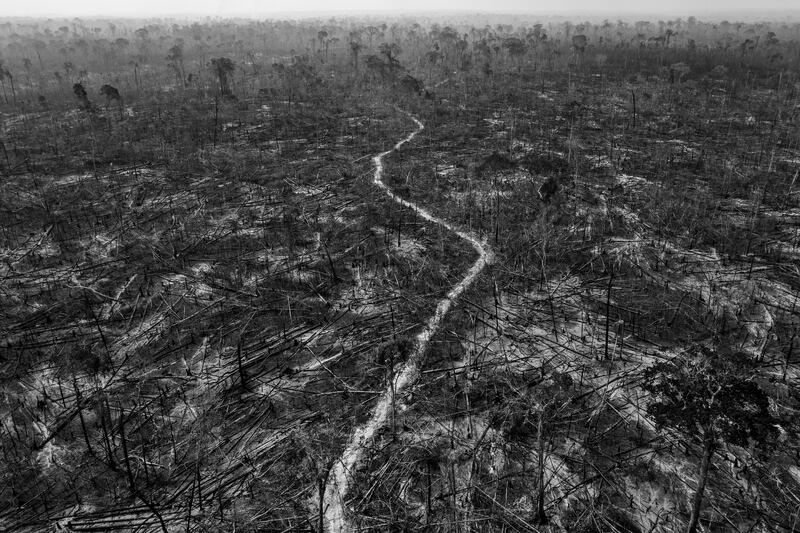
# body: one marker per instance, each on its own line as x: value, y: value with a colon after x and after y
x: 341, y: 473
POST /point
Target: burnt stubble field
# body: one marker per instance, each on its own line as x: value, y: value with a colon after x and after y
x: 399, y: 275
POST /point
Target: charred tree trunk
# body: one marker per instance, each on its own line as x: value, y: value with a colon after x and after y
x: 541, y: 517
x: 697, y: 500
x: 242, y: 374
x: 608, y: 309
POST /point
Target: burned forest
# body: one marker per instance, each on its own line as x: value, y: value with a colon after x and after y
x: 437, y: 273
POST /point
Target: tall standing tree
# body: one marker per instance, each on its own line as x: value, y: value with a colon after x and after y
x: 432, y: 58
x: 579, y: 44
x: 81, y: 95
x: 39, y: 46
x: 111, y: 93
x: 26, y: 63
x: 121, y: 45
x: 372, y: 31
x: 3, y: 81
x: 223, y: 67
x: 516, y: 50
x: 711, y: 396
x: 10, y: 77
x: 175, y: 62
x: 355, y: 49
x: 69, y: 68
x: 321, y: 36
x: 144, y: 41
x: 390, y: 51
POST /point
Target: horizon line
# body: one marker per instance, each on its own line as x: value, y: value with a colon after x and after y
x: 311, y: 13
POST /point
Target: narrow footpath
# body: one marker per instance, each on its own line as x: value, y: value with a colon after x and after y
x: 341, y: 474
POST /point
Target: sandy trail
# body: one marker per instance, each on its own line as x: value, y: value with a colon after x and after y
x: 341, y: 473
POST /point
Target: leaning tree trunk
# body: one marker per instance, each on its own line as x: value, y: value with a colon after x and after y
x: 13, y: 89
x: 697, y: 500
x: 541, y: 517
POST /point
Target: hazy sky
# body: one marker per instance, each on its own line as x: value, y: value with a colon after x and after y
x: 260, y: 7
